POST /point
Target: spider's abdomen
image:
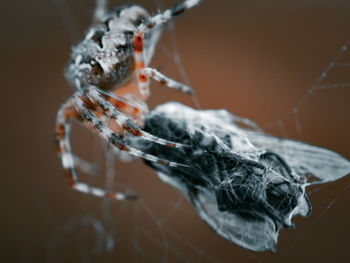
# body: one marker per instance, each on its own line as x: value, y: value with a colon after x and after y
x: 104, y: 58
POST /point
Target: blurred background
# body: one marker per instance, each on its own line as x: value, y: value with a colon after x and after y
x: 255, y: 58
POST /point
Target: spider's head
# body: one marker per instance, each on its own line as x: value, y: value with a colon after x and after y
x: 105, y: 57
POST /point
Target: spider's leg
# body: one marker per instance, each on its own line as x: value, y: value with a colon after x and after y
x: 166, y: 15
x: 123, y: 121
x: 66, y: 113
x: 100, y: 9
x: 145, y: 73
x: 62, y: 142
x: 84, y: 110
x: 139, y: 57
x: 138, y: 40
x: 136, y: 109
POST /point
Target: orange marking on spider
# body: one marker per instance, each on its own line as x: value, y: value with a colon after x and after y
x: 133, y: 130
x: 88, y: 103
x: 135, y: 111
x: 139, y: 65
x: 111, y: 195
x: 138, y: 44
x: 163, y: 162
x: 58, y: 147
x: 60, y: 130
x: 69, y: 177
x: 142, y: 77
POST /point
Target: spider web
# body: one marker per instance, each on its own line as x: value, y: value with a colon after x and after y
x: 162, y: 226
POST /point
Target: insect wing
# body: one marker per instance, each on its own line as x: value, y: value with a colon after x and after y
x: 256, y: 236
x: 253, y: 235
x: 305, y: 159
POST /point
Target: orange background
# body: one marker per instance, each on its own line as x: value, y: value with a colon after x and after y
x: 254, y: 58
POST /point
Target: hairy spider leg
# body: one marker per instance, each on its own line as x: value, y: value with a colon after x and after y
x: 164, y: 80
x: 66, y: 113
x: 135, y: 109
x: 62, y: 143
x: 81, y: 110
x: 143, y: 73
x: 85, y: 111
x: 76, y: 108
x: 123, y: 121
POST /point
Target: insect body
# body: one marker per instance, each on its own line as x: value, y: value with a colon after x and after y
x: 245, y: 184
x: 109, y: 71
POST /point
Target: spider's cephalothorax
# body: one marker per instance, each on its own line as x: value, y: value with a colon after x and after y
x: 105, y: 57
x: 109, y: 71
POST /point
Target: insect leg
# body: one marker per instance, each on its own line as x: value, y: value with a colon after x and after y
x: 145, y: 73
x: 66, y: 113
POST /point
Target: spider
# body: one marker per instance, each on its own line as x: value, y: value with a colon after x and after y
x: 109, y: 72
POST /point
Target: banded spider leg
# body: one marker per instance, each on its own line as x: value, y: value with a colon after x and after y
x: 144, y: 73
x: 79, y: 109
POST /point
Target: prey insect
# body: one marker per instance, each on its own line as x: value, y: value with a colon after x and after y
x: 245, y: 184
x: 110, y: 74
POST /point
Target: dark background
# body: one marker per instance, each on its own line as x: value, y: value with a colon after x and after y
x: 253, y: 58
